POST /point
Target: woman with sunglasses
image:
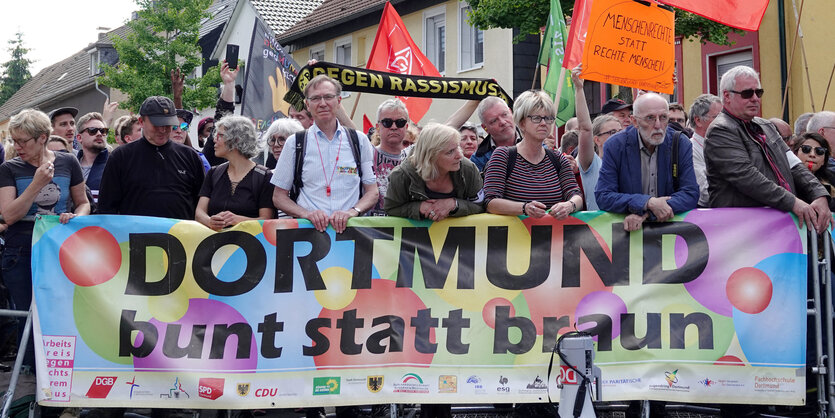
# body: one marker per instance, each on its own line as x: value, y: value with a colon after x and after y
x: 527, y: 179
x: 36, y: 182
x: 179, y: 134
x: 813, y: 151
x: 237, y: 190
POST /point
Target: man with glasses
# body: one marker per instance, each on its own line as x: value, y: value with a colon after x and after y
x: 92, y: 137
x: 330, y: 172
x: 747, y: 160
x: 152, y: 176
x: 392, y: 124
x: 702, y: 112
x: 647, y: 170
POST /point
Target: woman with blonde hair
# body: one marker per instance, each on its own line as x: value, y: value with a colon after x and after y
x: 435, y: 181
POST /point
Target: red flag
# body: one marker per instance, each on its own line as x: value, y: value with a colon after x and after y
x: 740, y: 14
x: 577, y: 34
x: 366, y: 123
x: 394, y: 51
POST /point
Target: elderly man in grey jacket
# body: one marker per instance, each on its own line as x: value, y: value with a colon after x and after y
x: 747, y: 161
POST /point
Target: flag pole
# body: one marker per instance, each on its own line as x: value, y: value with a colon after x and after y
x: 791, y: 61
x: 356, y: 102
x: 559, y: 88
x: 803, y: 52
x: 535, y: 73
x: 825, y: 95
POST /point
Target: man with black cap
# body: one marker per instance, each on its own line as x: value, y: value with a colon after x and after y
x: 152, y: 176
x: 619, y: 109
x: 63, y: 124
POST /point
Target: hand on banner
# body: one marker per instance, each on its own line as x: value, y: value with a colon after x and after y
x: 279, y: 88
x: 535, y: 209
x: 633, y: 222
x: 178, y: 80
x: 660, y: 208
x: 223, y: 220
x: 319, y: 219
x: 65, y: 217
x: 437, y: 209
x: 561, y: 210
x: 339, y: 220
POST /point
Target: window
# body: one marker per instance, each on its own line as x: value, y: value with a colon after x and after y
x: 342, y: 51
x: 720, y: 64
x: 317, y: 52
x: 94, y: 62
x: 472, y: 42
x: 435, y: 38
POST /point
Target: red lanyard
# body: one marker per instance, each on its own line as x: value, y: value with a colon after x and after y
x: 336, y: 163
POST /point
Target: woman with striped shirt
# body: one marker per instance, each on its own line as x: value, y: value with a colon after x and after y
x: 527, y: 178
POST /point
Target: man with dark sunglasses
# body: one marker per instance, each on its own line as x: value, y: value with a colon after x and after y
x: 92, y: 137
x: 392, y: 124
x: 749, y: 164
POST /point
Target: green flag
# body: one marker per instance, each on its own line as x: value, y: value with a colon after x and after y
x: 551, y: 54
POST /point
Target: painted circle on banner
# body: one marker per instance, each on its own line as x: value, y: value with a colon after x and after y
x: 489, y: 311
x: 601, y: 302
x: 271, y: 225
x: 90, y: 256
x: 338, y: 293
x: 729, y: 361
x: 749, y: 290
x: 393, y: 309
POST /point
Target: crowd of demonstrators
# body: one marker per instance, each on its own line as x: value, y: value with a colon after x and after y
x: 435, y: 181
x: 239, y: 189
x: 38, y: 181
x: 528, y: 179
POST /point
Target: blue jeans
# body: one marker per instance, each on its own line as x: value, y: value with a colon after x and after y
x: 17, y: 276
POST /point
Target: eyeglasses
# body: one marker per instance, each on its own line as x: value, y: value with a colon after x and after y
x: 653, y: 118
x: 92, y: 131
x: 317, y: 99
x: 183, y: 127
x: 610, y: 133
x: 387, y: 122
x: 280, y: 140
x: 21, y: 142
x: 748, y: 93
x: 806, y: 149
x: 538, y: 119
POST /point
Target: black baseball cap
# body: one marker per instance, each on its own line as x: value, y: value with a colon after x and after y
x: 614, y: 105
x: 186, y: 115
x: 61, y: 111
x: 159, y: 110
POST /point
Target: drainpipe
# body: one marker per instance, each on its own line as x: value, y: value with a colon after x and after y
x: 781, y: 19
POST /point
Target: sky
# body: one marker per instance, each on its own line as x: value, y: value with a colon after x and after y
x: 56, y: 29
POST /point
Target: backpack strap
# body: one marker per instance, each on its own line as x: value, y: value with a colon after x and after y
x: 555, y: 160
x: 511, y: 160
x: 298, y: 164
x: 218, y: 172
x: 674, y: 161
x: 355, y: 149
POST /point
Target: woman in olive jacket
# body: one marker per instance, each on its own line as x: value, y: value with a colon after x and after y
x: 435, y: 181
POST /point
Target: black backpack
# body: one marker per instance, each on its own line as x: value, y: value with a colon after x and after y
x: 298, y: 161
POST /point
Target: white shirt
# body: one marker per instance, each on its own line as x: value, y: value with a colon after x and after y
x: 699, y: 167
x: 326, y: 162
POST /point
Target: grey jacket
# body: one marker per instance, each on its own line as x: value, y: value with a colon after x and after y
x: 738, y: 172
x: 407, y: 190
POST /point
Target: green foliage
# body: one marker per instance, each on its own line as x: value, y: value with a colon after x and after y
x: 15, y: 71
x: 164, y: 37
x: 529, y: 16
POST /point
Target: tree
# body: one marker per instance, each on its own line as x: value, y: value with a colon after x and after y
x: 163, y: 38
x: 15, y: 71
x: 531, y: 15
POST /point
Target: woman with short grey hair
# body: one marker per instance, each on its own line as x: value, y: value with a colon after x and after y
x: 239, y: 189
x: 278, y: 132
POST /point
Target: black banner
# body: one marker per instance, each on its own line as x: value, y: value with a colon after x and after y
x: 370, y: 81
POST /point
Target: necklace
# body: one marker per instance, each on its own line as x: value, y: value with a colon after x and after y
x: 336, y: 163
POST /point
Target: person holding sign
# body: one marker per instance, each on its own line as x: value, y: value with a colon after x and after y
x: 638, y: 177
x: 528, y: 179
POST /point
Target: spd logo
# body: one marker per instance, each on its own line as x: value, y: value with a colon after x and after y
x: 101, y: 387
x: 567, y: 376
x: 210, y: 387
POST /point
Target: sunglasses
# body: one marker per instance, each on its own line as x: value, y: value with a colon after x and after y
x: 183, y: 127
x: 807, y: 149
x: 749, y: 93
x: 92, y: 131
x: 387, y: 122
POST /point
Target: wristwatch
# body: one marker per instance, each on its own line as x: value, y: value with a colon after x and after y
x: 359, y: 212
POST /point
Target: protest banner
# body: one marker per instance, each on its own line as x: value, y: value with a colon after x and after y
x: 150, y: 312
x: 630, y: 44
x: 269, y: 73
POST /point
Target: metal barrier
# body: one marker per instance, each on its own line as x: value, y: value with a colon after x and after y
x: 8, y: 397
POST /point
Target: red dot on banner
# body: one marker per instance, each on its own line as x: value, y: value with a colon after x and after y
x: 489, y: 310
x: 271, y: 225
x: 90, y: 256
x: 729, y: 361
x: 749, y: 290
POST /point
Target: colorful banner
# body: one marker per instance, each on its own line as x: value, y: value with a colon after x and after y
x: 148, y: 312
x: 630, y: 44
x: 270, y: 71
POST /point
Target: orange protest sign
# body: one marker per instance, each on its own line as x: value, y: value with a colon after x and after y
x: 630, y: 43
